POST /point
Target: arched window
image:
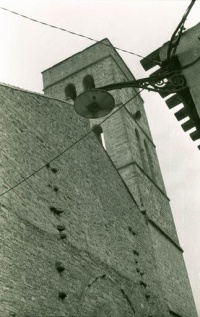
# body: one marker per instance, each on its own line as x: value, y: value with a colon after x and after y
x: 150, y: 161
x: 70, y: 91
x: 98, y: 131
x: 88, y: 82
x: 141, y: 151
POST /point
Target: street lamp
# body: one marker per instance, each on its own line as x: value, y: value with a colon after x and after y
x: 95, y: 103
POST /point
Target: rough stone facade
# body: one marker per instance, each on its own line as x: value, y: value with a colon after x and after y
x: 130, y: 146
x: 106, y: 253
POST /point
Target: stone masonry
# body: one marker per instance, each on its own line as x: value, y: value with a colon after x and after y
x: 73, y: 241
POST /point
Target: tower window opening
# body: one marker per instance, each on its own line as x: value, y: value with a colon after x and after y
x: 88, y: 82
x: 98, y: 131
x: 150, y: 161
x: 70, y: 91
x: 141, y: 151
x: 103, y: 140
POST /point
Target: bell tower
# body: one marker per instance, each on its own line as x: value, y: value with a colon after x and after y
x: 128, y: 142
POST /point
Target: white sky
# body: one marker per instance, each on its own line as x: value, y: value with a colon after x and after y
x: 27, y: 48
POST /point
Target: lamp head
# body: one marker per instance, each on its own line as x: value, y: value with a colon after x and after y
x: 94, y: 103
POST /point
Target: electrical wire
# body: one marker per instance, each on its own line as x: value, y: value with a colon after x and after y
x: 68, y: 148
x: 71, y: 32
x: 176, y: 36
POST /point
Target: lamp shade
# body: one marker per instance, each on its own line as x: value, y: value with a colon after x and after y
x: 94, y: 103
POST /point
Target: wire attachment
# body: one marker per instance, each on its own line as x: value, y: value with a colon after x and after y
x: 176, y: 36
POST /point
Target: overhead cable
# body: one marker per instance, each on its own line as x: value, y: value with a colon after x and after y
x: 71, y: 32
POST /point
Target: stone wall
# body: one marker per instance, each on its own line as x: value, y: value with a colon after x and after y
x: 107, y: 256
x: 173, y: 275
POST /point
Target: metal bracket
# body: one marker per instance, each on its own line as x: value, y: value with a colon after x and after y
x: 170, y: 82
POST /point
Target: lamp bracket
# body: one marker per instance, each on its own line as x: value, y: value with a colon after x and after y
x: 170, y: 82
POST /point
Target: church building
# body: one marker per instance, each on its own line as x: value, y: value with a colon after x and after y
x: 86, y: 224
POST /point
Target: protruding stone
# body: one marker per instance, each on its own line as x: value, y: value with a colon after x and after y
x: 135, y: 252
x: 61, y: 227
x: 131, y: 231
x: 60, y: 267
x: 54, y: 170
x: 143, y: 210
x: 62, y: 295
x: 52, y: 208
x: 143, y: 284
x: 137, y: 115
x: 63, y: 235
x: 56, y: 211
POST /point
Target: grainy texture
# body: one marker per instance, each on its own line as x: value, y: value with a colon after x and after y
x: 131, y: 148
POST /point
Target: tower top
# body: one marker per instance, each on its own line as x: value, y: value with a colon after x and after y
x: 82, y: 60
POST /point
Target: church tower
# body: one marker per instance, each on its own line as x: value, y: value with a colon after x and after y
x: 128, y: 142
